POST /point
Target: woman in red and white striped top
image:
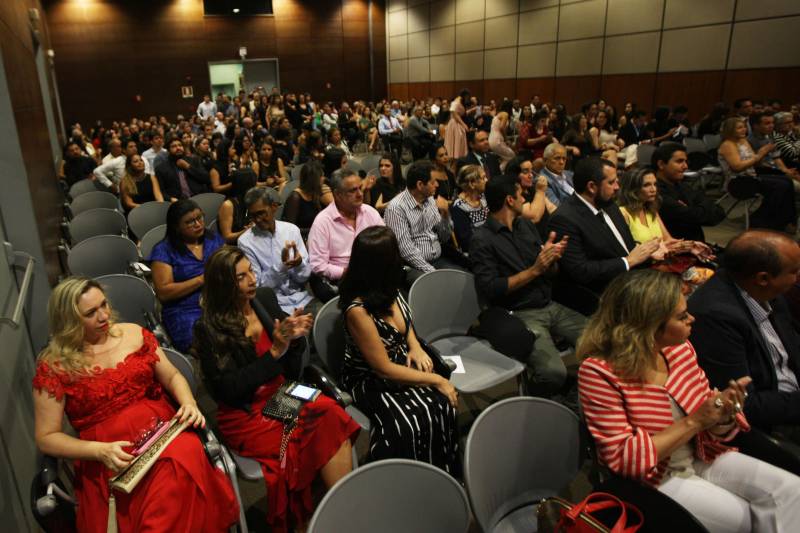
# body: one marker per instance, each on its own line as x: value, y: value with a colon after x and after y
x: 654, y: 418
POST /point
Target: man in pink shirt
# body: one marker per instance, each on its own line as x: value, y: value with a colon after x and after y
x: 334, y: 230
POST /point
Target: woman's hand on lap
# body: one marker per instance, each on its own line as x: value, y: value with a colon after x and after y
x: 190, y: 412
x: 419, y: 360
x: 112, y: 455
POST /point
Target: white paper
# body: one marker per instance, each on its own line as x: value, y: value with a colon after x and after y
x: 459, y: 363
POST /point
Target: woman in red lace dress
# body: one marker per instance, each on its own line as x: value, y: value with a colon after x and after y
x: 246, y: 344
x: 112, y: 381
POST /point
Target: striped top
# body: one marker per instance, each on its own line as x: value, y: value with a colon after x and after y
x: 419, y: 228
x: 622, y: 415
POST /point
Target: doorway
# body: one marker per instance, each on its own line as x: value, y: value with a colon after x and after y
x: 230, y: 77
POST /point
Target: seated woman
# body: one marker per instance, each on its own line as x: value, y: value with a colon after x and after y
x: 137, y: 187
x: 269, y: 167
x: 389, y: 183
x: 221, y: 179
x: 308, y: 199
x: 469, y: 210
x: 247, y: 347
x: 333, y: 160
x: 736, y: 157
x: 654, y: 418
x: 112, y: 380
x: 442, y: 171
x: 534, y: 137
x: 603, y: 136
x: 178, y: 262
x: 639, y: 203
x: 537, y: 207
x: 385, y: 369
x: 577, y: 139
x: 232, y: 217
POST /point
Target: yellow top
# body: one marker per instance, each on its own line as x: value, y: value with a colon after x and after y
x: 643, y: 232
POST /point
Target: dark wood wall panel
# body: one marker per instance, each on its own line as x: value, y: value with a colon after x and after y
x: 529, y: 87
x: 109, y: 52
x: 443, y: 89
x: 574, y: 91
x: 419, y: 90
x: 498, y: 89
x: 781, y: 83
x: 638, y: 89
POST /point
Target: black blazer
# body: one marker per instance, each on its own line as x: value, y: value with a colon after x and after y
x: 593, y: 256
x: 490, y: 160
x: 236, y: 383
x: 196, y: 176
x: 729, y: 346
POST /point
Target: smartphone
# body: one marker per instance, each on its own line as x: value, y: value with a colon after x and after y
x: 303, y: 392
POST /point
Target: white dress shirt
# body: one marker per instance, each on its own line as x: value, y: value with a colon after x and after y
x: 611, y: 226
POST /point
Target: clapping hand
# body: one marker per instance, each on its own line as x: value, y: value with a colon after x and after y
x: 292, y: 327
x: 550, y: 253
x: 541, y: 183
x: 289, y: 255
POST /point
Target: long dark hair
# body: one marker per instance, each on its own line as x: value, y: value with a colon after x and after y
x: 310, y: 181
x: 222, y: 318
x: 399, y: 184
x: 375, y: 271
x: 175, y: 213
x: 332, y: 160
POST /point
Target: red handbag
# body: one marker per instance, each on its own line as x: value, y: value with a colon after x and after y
x: 581, y: 517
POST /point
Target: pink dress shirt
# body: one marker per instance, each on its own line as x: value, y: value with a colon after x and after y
x: 331, y: 239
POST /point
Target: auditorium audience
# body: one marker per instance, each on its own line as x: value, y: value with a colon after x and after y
x: 391, y: 132
x: 391, y: 378
x: 763, y: 125
x: 309, y: 197
x: 269, y: 167
x: 577, y: 138
x: 138, y: 187
x: 559, y: 180
x: 537, y: 207
x: 232, y: 217
x: 479, y: 154
x: 75, y: 166
x: 276, y: 251
x: 181, y: 176
x: 469, y: 210
x: 114, y: 382
x: 786, y: 140
x: 420, y: 134
x: 655, y: 419
x: 684, y: 210
x: 603, y: 135
x: 635, y: 130
x: 737, y: 158
x: 248, y: 348
x: 442, y: 171
x: 743, y: 109
x: 177, y: 264
x: 514, y: 270
x: 388, y: 184
x: 109, y: 173
x: 334, y: 229
x: 534, y: 136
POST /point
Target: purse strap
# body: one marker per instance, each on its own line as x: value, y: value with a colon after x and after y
x: 598, y: 501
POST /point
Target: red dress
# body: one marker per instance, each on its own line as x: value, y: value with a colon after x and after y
x: 182, y: 492
x: 320, y: 432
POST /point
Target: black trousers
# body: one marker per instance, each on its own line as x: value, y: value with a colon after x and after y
x: 777, y: 208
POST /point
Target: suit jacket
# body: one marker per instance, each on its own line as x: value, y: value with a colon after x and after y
x: 685, y: 211
x: 491, y: 163
x: 729, y: 346
x: 555, y: 191
x: 196, y: 176
x: 593, y: 256
x: 235, y: 382
x: 630, y: 135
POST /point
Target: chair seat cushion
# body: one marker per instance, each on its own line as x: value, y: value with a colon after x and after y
x: 522, y: 520
x: 484, y: 366
x: 250, y: 469
x: 360, y: 418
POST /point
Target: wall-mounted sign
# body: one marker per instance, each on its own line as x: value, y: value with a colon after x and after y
x: 243, y: 51
x: 187, y: 91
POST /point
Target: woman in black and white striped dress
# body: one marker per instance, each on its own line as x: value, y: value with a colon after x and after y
x: 391, y: 378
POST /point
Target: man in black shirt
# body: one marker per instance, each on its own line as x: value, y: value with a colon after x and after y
x: 684, y: 210
x: 182, y: 176
x: 512, y: 270
x: 76, y: 166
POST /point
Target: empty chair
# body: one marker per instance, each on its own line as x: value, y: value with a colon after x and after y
x: 284, y: 195
x: 644, y: 153
x: 295, y: 174
x: 519, y: 451
x: 371, y: 161
x: 82, y: 187
x: 147, y: 216
x: 96, y: 222
x: 694, y: 145
x: 131, y: 298
x: 150, y: 239
x: 93, y: 200
x: 712, y: 141
x: 393, y: 496
x: 101, y: 255
x: 444, y: 305
x: 209, y: 202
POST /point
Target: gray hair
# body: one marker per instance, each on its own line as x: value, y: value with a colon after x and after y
x: 780, y: 116
x: 551, y: 148
x: 267, y: 195
x: 338, y: 177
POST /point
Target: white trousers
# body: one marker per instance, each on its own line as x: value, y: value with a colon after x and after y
x: 738, y: 493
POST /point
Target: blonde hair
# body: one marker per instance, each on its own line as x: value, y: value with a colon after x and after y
x: 65, y: 349
x: 633, y: 309
x: 128, y: 183
x: 468, y: 176
x: 728, y: 129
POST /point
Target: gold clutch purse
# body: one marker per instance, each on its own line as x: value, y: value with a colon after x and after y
x: 128, y: 478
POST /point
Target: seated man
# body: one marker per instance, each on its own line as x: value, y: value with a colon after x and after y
x: 786, y: 140
x: 276, y: 251
x: 420, y: 223
x: 334, y: 230
x: 181, y: 176
x: 743, y: 327
x: 763, y: 134
x: 512, y: 270
x: 419, y: 134
x: 391, y: 132
x: 156, y: 154
x: 636, y: 131
x: 75, y: 166
x: 559, y: 181
x: 479, y: 154
x: 684, y: 210
x: 112, y: 168
x: 600, y: 244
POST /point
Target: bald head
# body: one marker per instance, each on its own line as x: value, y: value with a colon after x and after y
x: 764, y: 263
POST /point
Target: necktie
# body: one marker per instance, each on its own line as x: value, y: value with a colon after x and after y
x: 185, y: 190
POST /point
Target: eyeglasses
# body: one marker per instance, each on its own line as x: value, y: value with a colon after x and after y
x: 196, y: 220
x: 258, y: 214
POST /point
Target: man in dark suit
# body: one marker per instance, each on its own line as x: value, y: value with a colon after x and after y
x: 480, y: 155
x: 743, y: 327
x: 600, y: 244
x: 635, y: 131
x: 181, y: 176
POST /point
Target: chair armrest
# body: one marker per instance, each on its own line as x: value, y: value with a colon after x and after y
x: 317, y: 377
x: 211, y: 445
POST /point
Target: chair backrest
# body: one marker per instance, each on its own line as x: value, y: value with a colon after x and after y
x: 374, y: 172
x: 130, y: 297
x: 426, y: 500
x: 147, y: 216
x: 150, y: 239
x: 694, y: 145
x: 712, y: 140
x: 209, y: 202
x: 96, y: 222
x: 295, y: 173
x: 184, y: 366
x: 371, y: 161
x: 443, y: 302
x: 353, y: 165
x: 518, y: 451
x: 212, y: 225
x: 287, y: 190
x: 82, y: 187
x: 328, y: 334
x: 104, y: 254
x: 93, y: 200
x: 644, y: 153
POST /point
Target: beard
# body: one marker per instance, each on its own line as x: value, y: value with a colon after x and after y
x: 599, y: 203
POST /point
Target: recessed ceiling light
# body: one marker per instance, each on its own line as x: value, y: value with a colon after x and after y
x: 235, y: 9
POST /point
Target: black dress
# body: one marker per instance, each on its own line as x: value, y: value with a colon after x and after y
x: 300, y: 212
x: 408, y: 422
x: 144, y: 192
